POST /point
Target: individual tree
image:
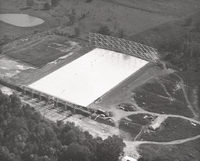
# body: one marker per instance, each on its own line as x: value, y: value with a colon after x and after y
x: 110, y: 149
x: 92, y: 144
x: 4, y: 40
x: 75, y: 152
x: 55, y: 2
x: 29, y: 3
x: 5, y: 155
x: 47, y: 6
x: 104, y: 30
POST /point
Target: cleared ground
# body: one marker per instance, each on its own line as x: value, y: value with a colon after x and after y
x: 10, y: 68
x: 123, y: 93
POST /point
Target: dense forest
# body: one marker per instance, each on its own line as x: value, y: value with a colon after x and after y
x: 178, y: 43
x: 27, y: 136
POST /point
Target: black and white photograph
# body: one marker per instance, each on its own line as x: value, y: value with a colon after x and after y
x: 99, y: 80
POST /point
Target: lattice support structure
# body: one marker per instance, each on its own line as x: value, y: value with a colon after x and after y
x: 123, y: 46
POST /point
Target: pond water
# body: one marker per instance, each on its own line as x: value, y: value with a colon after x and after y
x: 21, y: 20
x: 90, y: 76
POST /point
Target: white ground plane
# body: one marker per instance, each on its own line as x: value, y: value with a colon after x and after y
x: 87, y: 78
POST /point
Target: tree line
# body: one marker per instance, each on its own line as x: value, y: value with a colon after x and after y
x: 25, y: 135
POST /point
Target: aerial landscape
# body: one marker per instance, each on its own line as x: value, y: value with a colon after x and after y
x: 99, y: 80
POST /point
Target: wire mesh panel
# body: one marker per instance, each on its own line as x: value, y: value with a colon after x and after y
x: 124, y: 46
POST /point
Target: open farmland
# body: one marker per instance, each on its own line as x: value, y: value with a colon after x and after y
x: 131, y: 18
x: 40, y: 51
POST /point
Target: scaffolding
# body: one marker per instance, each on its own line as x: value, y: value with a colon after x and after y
x: 124, y: 46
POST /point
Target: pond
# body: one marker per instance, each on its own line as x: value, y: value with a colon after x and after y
x: 90, y: 76
x: 21, y: 20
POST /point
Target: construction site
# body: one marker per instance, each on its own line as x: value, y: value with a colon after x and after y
x: 104, y: 84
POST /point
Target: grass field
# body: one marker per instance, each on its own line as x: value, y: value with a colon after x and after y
x: 87, y: 17
x: 188, y: 151
x: 43, y: 50
x: 142, y: 119
x: 172, y: 129
x: 155, y: 99
x: 151, y: 96
x: 132, y: 128
x: 176, y: 8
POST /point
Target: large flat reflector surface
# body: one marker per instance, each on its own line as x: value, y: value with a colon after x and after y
x: 87, y: 78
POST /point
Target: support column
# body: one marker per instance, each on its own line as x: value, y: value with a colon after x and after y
x: 55, y: 102
x: 40, y: 98
x: 66, y: 107
x: 32, y: 93
x: 23, y: 90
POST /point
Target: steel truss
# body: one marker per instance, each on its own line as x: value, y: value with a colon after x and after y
x: 123, y: 46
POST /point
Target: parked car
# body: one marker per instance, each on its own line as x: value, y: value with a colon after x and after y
x: 127, y: 107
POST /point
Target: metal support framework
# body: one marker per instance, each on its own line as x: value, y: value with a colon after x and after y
x: 123, y: 46
x: 49, y: 98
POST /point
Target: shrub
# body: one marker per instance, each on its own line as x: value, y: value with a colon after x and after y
x: 55, y: 2
x: 104, y: 30
x: 29, y: 3
x: 47, y: 6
